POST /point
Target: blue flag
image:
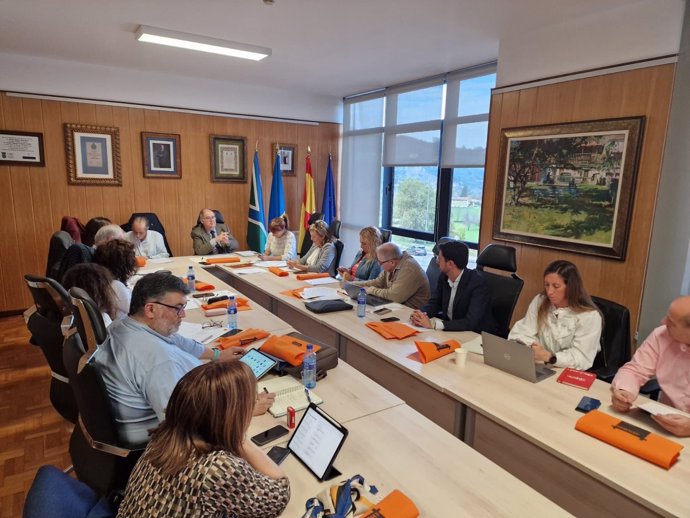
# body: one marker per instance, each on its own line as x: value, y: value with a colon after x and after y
x: 328, y: 208
x: 256, y: 223
x: 276, y: 207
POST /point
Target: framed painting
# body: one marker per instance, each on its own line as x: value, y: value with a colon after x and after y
x: 93, y: 155
x: 161, y: 155
x: 228, y: 159
x: 569, y: 186
x: 288, y: 158
x: 21, y: 148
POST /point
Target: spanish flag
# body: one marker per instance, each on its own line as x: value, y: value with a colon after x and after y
x: 308, y: 203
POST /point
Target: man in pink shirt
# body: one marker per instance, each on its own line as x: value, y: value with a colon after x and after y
x: 666, y: 354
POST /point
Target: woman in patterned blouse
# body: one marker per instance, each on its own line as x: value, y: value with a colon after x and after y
x: 199, y: 462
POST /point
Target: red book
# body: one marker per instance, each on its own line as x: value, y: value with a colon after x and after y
x: 576, y: 378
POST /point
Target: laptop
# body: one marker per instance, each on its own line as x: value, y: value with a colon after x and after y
x: 514, y: 358
x: 372, y: 300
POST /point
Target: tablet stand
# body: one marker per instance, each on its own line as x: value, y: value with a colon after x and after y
x: 331, y: 473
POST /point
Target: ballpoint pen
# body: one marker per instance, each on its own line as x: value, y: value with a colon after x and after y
x: 306, y: 392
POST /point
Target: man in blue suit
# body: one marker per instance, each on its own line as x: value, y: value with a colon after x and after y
x: 462, y: 301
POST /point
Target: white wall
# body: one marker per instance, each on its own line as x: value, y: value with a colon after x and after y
x: 641, y: 30
x: 29, y: 74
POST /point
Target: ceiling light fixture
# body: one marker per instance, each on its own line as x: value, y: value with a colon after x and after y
x: 201, y: 43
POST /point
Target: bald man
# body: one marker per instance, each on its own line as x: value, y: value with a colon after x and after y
x: 147, y: 243
x: 666, y: 354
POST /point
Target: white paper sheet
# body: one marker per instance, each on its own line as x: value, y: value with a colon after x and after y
x: 474, y: 345
x: 198, y: 333
x: 159, y: 260
x: 319, y: 293
x: 249, y: 270
x: 656, y: 408
x: 268, y: 264
x: 322, y: 280
x: 246, y: 253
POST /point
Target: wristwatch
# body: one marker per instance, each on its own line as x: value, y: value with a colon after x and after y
x: 551, y: 361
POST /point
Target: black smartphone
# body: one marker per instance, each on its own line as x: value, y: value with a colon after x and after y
x: 390, y: 319
x: 382, y: 311
x: 270, y: 435
x: 202, y: 295
x: 230, y: 333
x: 278, y: 454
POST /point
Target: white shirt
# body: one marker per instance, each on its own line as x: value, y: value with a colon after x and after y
x: 123, y: 296
x: 153, y: 246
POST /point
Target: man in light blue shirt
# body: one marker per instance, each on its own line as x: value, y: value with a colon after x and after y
x: 145, y: 356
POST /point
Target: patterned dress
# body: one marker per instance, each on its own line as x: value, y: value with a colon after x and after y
x: 216, y: 484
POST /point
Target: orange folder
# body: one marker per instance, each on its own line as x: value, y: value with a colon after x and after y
x: 277, y: 271
x: 242, y: 304
x: 430, y: 351
x: 141, y: 261
x: 287, y: 348
x: 294, y: 293
x: 394, y: 505
x: 203, y: 286
x: 242, y: 338
x: 309, y: 276
x: 642, y: 443
x: 390, y: 330
x: 222, y: 260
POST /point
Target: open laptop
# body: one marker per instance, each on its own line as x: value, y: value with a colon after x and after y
x: 514, y: 358
x: 372, y: 300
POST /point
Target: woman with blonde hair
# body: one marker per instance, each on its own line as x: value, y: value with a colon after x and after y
x: 562, y: 324
x: 281, y: 244
x: 365, y: 266
x: 320, y: 257
x: 199, y: 461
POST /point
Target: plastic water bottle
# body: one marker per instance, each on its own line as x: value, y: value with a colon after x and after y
x: 232, y: 313
x: 309, y: 368
x: 361, y: 303
x: 191, y: 280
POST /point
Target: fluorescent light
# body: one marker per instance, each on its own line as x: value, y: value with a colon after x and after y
x: 201, y: 43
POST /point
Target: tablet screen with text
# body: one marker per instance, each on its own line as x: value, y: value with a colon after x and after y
x: 258, y: 361
x: 317, y: 441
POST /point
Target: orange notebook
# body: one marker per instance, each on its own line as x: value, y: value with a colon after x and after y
x: 625, y: 436
x: 394, y: 505
x: 430, y: 351
x: 287, y: 348
x: 309, y: 276
x: 390, y: 330
x: 222, y: 260
x: 242, y: 338
x: 277, y: 271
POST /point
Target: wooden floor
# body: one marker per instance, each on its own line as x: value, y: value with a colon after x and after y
x: 31, y: 432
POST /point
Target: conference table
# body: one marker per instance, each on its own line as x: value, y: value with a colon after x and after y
x: 389, y: 443
x: 528, y: 429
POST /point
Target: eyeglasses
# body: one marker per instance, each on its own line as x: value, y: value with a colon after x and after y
x: 178, y: 309
x: 211, y: 323
x: 384, y: 262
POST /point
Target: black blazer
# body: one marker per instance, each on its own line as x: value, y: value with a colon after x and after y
x: 471, y: 307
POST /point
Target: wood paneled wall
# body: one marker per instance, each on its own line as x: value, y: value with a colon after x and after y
x: 645, y: 92
x: 34, y: 199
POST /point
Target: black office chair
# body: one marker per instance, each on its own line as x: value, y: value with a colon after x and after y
x: 60, y: 241
x: 334, y: 228
x: 46, y: 320
x: 154, y: 224
x: 385, y: 235
x: 99, y: 458
x: 338, y: 254
x: 615, y: 339
x: 432, y: 270
x: 78, y: 253
x: 505, y: 289
x: 307, y: 242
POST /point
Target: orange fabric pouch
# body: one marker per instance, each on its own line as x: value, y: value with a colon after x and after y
x: 287, y: 348
x: 203, y: 286
x: 222, y: 260
x: 242, y: 338
x: 293, y: 293
x: 641, y: 443
x: 277, y: 271
x: 309, y: 276
x: 394, y: 505
x: 391, y: 330
x: 141, y: 261
x: 242, y: 304
x: 430, y: 351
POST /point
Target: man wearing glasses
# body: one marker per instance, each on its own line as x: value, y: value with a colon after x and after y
x: 209, y: 237
x: 145, y: 357
x: 401, y: 279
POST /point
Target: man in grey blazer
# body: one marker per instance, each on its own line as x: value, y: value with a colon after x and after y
x: 209, y: 237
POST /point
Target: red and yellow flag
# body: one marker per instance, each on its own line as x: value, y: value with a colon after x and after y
x: 308, y: 203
